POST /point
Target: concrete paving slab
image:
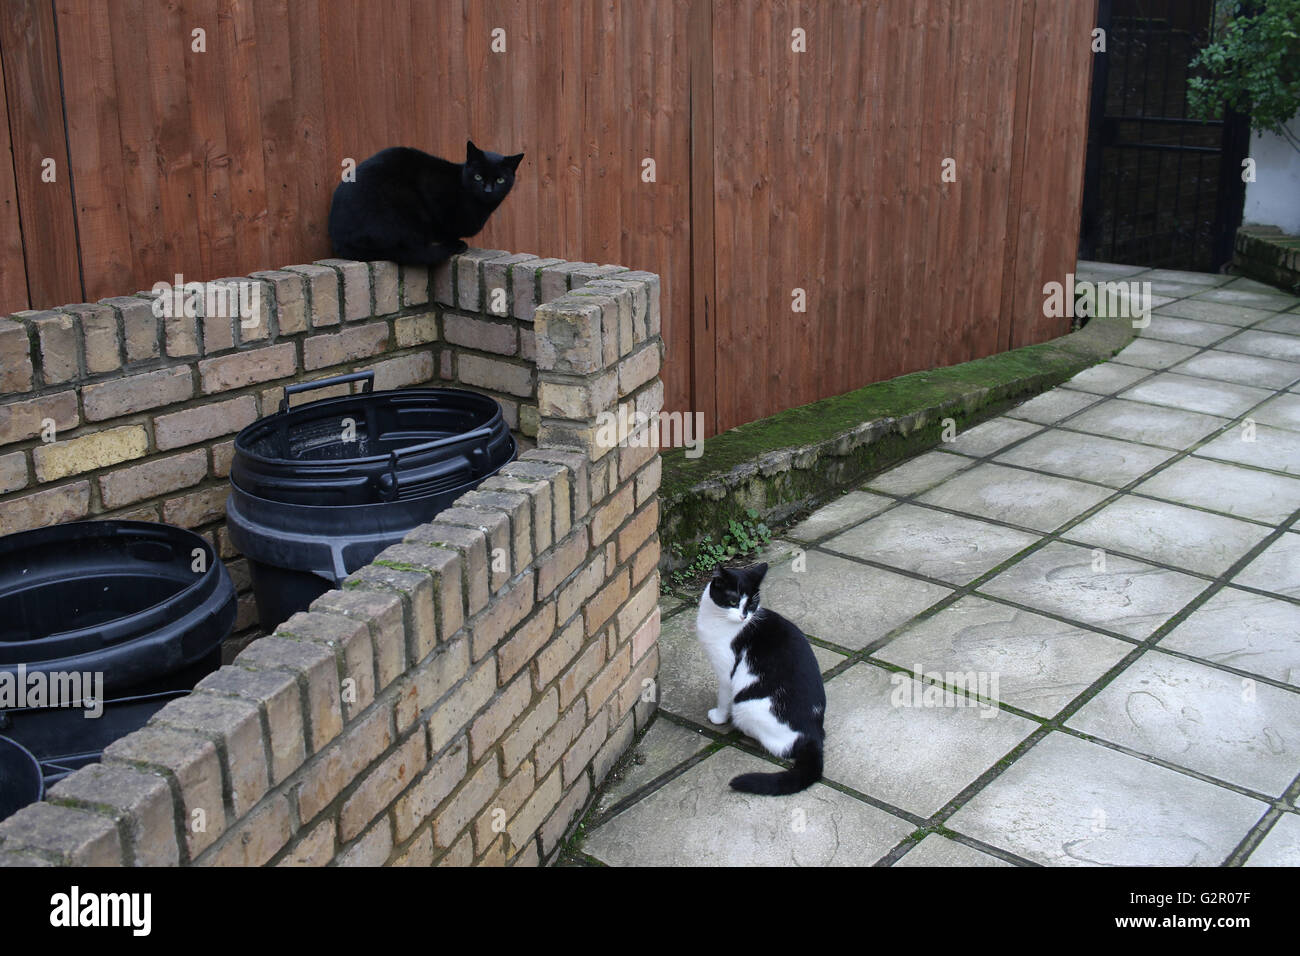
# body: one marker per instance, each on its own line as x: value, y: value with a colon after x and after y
x: 665, y: 745
x: 1149, y: 424
x: 1124, y: 596
x: 1108, y: 461
x: 1287, y: 324
x: 990, y: 436
x: 931, y: 543
x: 1246, y: 631
x: 1252, y: 300
x: 1277, y: 449
x: 843, y: 511
x: 1168, y: 328
x: 1107, y: 378
x: 1281, y: 847
x: 1153, y: 354
x: 1196, y: 394
x: 1240, y: 368
x: 1230, y: 489
x: 1203, y: 279
x: 1215, y: 312
x: 921, y: 473
x: 886, y: 738
x: 936, y: 850
x: 1070, y: 802
x: 1277, y: 569
x: 1023, y: 498
x: 696, y: 819
x: 1274, y: 345
x: 1042, y: 663
x: 1280, y: 412
x: 1169, y: 534
x: 1051, y: 407
x: 1203, y: 719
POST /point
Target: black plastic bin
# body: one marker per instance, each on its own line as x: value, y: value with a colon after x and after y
x: 319, y: 489
x: 146, y: 605
x: 20, y: 777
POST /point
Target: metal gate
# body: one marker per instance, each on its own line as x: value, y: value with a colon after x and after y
x: 1160, y: 189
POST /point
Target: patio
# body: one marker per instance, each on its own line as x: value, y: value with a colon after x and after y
x: 1112, y: 567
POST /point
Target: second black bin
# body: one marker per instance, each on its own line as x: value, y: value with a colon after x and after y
x: 320, y: 489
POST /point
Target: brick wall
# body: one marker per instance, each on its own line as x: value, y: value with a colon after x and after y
x: 460, y: 698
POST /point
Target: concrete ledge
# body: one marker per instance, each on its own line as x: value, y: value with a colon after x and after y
x: 796, y: 460
x: 1267, y: 254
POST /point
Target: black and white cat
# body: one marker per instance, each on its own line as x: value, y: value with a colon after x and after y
x: 769, y: 683
x: 410, y: 207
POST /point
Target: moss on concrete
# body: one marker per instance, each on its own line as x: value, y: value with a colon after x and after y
x: 796, y: 459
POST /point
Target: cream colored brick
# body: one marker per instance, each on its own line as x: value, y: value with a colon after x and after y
x: 488, y: 728
x: 74, y: 456
x: 461, y: 810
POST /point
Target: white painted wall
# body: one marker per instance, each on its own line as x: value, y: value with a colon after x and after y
x: 1273, y: 199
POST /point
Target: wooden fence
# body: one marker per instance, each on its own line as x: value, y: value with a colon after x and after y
x: 782, y: 160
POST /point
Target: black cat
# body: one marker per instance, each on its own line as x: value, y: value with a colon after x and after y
x: 413, y: 208
x: 769, y: 683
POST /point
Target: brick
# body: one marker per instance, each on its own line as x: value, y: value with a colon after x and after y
x: 247, y: 368
x: 22, y: 420
x: 521, y: 741
x: 288, y: 291
x: 322, y: 293
x: 218, y: 326
x: 584, y: 748
x: 416, y: 588
x: 451, y: 717
x: 413, y: 330
x: 638, y: 368
x: 461, y: 810
x: 342, y: 762
x: 646, y: 561
x: 502, y: 616
x: 469, y: 276
x: 508, y: 492
x: 485, y: 336
x: 384, y: 613
x: 277, y: 696
x: 357, y: 342
x: 647, y: 482
x: 576, y: 592
x: 611, y: 515
x: 576, y: 678
x: 528, y: 856
x: 539, y: 805
x: 471, y: 545
x: 383, y: 283
x: 197, y: 508
x: 382, y: 785
x: 136, y: 393
x: 100, y: 342
x: 495, y: 375
x: 641, y: 687
x: 557, y: 279
x: 577, y: 402
x: 58, y: 346
x: 555, y: 656
x: 13, y: 472
x: 314, y: 849
x: 180, y: 335
x: 516, y: 653
x: 235, y: 727
x: 223, y: 454
x: 569, y: 336
x: 193, y: 764
x: 355, y: 277
x: 442, y: 282
x: 73, y: 456
x: 497, y: 275
x: 15, y: 357
x: 349, y: 641
x: 611, y: 750
x: 435, y: 677
x: 635, y: 533
x: 461, y: 853
x: 556, y: 741
x: 504, y: 805
x: 373, y: 849
x: 415, y: 285
x: 317, y: 676
x: 492, y: 724
x: 44, y: 508
x: 140, y: 802
x: 557, y: 824
x: 255, y: 839
x: 431, y: 789
x: 610, y: 678
x: 77, y: 837
x: 496, y: 526
x: 204, y: 422
x: 418, y: 854
x: 517, y: 508
x: 152, y: 478
x: 579, y: 475
x: 404, y: 372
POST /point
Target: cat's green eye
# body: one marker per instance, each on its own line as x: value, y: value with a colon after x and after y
x: 478, y: 177
x: 501, y: 179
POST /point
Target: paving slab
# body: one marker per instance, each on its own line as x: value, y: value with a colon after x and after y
x: 1277, y: 569
x: 1245, y: 631
x: 1168, y: 328
x: 887, y: 739
x: 1128, y: 597
x: 1289, y: 324
x: 1215, y: 312
x: 1152, y: 354
x: 1149, y: 424
x: 843, y: 511
x: 1280, y: 412
x: 990, y: 436
x: 1253, y: 300
x: 1227, y: 488
x: 1240, y: 368
x: 1200, y: 718
x: 921, y: 473
x: 937, y: 850
x: 932, y: 543
x: 1111, y: 270
x: 1107, y: 461
x: 1169, y: 534
x: 1281, y: 847
x: 696, y: 819
x: 1070, y: 802
x: 1051, y: 407
x: 1023, y: 498
x: 844, y: 602
x: 1107, y: 378
x: 665, y: 745
x: 1196, y: 394
x: 1277, y: 449
x: 1041, y: 663
x: 1203, y: 279
x: 1274, y: 345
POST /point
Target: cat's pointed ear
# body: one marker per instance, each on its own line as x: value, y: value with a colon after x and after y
x: 472, y: 152
x: 514, y: 161
x: 757, y: 573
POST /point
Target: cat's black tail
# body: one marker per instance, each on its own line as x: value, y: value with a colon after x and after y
x: 807, y: 770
